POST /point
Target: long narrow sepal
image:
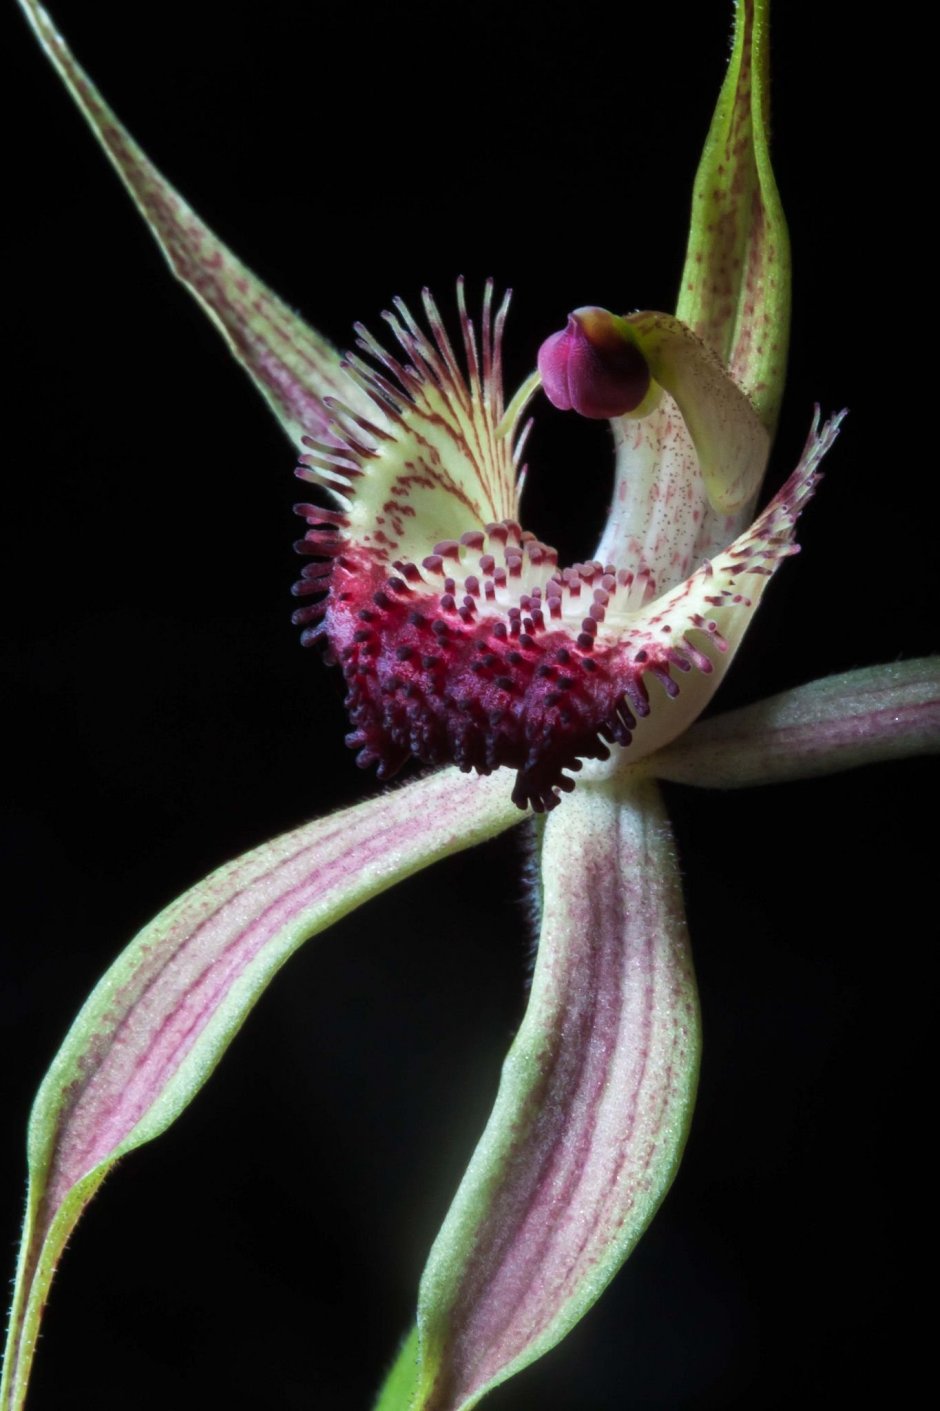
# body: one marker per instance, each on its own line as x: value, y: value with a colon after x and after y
x: 592, y: 1110
x: 735, y: 290
x: 158, y: 1022
x: 292, y: 366
x: 860, y: 717
x: 735, y: 296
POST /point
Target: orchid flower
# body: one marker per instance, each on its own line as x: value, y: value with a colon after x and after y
x: 564, y: 691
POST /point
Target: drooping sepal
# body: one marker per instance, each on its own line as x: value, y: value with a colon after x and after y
x: 152, y: 1031
x: 592, y: 1109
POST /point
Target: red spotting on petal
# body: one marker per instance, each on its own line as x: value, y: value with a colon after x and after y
x: 438, y: 670
x: 437, y: 676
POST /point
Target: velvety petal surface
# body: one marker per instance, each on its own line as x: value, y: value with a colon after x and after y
x: 160, y: 1019
x: 859, y: 717
x: 592, y: 1109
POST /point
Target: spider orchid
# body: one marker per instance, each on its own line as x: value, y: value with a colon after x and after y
x: 464, y: 643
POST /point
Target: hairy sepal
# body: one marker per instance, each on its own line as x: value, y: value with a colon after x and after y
x: 592, y: 1110
x: 160, y: 1019
x: 292, y: 366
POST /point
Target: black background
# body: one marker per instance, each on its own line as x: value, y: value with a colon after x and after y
x: 266, y: 1250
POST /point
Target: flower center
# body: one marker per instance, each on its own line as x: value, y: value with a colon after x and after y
x: 460, y: 639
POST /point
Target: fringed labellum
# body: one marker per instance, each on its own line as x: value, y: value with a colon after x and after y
x: 460, y: 637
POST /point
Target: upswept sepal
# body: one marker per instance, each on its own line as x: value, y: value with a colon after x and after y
x: 735, y: 287
x: 292, y: 366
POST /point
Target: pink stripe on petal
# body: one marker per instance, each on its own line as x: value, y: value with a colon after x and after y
x: 592, y: 1110
x: 154, y: 1028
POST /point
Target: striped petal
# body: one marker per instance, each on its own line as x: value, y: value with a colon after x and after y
x: 592, y: 1109
x: 160, y: 1019
x: 424, y: 459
